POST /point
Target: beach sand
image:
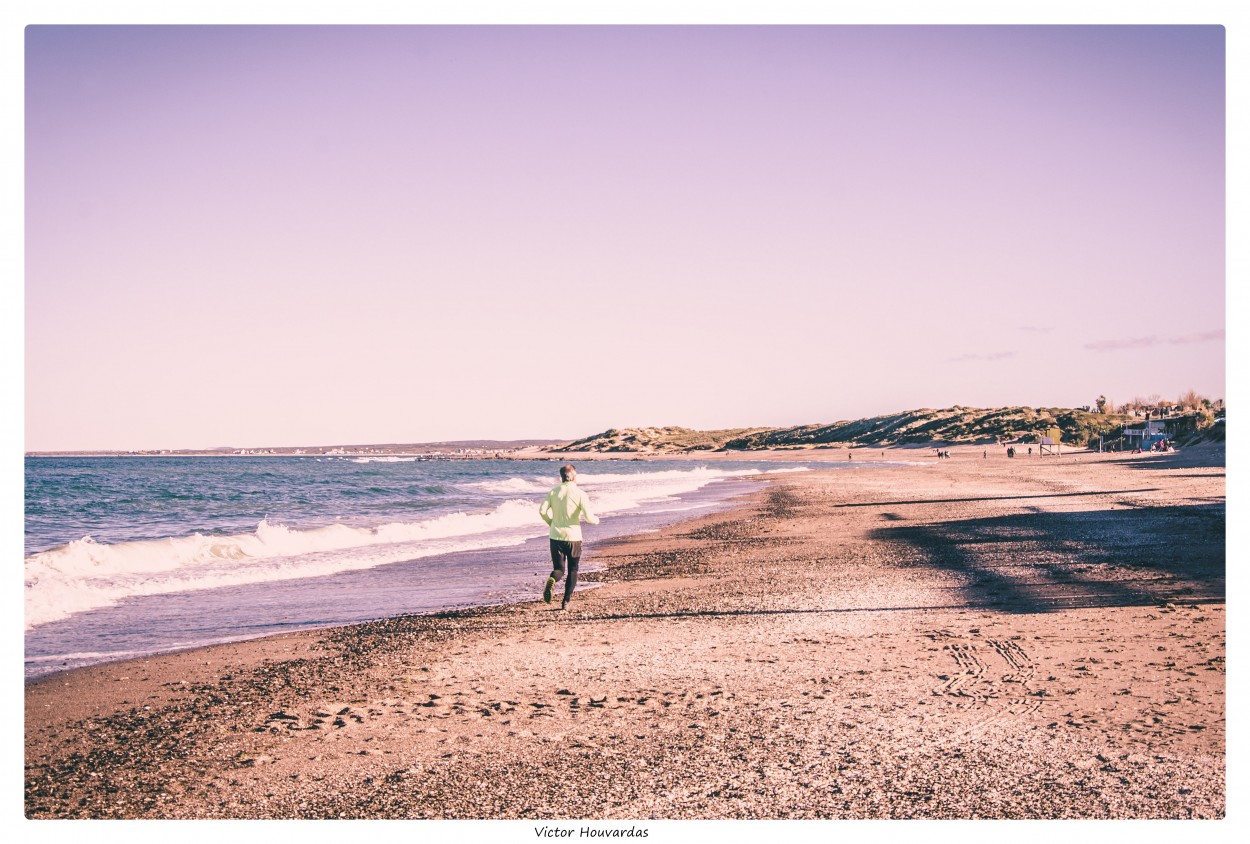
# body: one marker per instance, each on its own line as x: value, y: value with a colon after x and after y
x: 964, y: 638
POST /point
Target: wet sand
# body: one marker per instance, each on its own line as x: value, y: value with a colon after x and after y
x: 967, y: 638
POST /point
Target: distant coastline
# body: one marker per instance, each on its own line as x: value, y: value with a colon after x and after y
x: 958, y: 425
x: 476, y: 449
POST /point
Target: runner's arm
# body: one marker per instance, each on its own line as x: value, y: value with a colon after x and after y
x: 591, y: 518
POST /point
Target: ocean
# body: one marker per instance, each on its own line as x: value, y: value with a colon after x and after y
x: 131, y: 556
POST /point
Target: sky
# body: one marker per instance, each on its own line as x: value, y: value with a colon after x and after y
x: 264, y: 236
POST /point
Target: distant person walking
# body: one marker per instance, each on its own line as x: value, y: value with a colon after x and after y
x: 563, y: 509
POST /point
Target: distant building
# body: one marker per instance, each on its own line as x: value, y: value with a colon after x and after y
x: 1145, y: 434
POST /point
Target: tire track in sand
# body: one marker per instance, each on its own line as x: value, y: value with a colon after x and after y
x: 982, y: 687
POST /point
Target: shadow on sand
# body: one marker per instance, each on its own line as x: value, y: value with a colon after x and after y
x: 1201, y: 457
x: 993, y: 498
x: 1045, y: 561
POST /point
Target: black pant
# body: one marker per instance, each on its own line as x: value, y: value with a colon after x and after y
x: 563, y: 551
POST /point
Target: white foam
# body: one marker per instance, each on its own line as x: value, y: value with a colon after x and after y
x: 701, y: 474
x: 618, y: 492
x: 86, y: 575
x: 513, y: 486
x: 91, y: 656
x: 626, y: 489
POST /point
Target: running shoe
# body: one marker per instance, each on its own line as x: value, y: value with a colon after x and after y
x: 551, y: 584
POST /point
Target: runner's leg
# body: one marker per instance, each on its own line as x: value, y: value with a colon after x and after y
x: 575, y: 557
x: 559, y: 553
x: 571, y: 583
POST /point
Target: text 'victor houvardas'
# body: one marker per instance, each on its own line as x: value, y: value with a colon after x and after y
x: 590, y: 832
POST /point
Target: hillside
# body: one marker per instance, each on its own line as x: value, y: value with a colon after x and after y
x: 917, y: 427
x: 669, y: 438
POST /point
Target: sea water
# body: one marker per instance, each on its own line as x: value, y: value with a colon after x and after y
x: 130, y: 556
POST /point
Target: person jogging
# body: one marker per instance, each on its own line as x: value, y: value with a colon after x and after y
x: 563, y: 509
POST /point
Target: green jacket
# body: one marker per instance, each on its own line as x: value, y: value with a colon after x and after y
x: 564, y: 508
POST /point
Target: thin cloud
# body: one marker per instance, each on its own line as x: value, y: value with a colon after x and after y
x: 1155, y: 340
x: 1039, y: 329
x: 984, y: 356
x: 1131, y: 343
x: 1203, y: 337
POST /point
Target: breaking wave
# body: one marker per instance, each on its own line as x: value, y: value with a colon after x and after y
x: 86, y: 574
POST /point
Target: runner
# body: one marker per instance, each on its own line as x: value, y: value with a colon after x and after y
x: 563, y: 509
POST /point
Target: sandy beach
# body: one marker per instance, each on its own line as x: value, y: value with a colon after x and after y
x: 978, y: 637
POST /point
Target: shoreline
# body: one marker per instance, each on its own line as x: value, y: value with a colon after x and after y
x: 462, y: 578
x: 588, y: 576
x: 783, y: 456
x: 837, y: 645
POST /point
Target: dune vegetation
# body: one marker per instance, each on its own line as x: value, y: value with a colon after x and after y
x: 915, y: 427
